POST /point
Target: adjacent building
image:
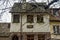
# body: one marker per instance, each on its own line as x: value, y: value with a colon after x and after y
x: 55, y: 24
x: 4, y: 31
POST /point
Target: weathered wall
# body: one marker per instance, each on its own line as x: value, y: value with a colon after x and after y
x: 15, y: 27
x: 37, y: 27
x: 4, y: 28
x: 4, y: 31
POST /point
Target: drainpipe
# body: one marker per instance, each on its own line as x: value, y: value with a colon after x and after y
x: 21, y: 26
x: 23, y: 7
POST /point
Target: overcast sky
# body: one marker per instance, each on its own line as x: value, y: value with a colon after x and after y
x: 6, y: 17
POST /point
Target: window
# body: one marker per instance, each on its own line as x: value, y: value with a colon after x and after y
x: 16, y: 18
x: 30, y: 37
x: 30, y: 18
x: 41, y: 37
x: 39, y: 18
x: 29, y: 26
x: 55, y: 12
x: 56, y: 29
x: 8, y: 25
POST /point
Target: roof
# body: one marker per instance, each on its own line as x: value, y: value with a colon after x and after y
x: 28, y: 7
x: 33, y: 7
x: 54, y: 19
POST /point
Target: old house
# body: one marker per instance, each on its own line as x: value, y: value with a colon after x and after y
x: 30, y: 21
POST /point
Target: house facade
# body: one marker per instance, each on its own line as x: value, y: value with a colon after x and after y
x: 29, y: 22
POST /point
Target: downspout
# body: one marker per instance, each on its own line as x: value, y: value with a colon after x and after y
x: 23, y: 2
x: 21, y: 26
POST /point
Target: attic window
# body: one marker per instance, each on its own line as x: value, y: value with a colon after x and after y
x: 39, y: 18
x: 55, y: 12
x: 16, y: 18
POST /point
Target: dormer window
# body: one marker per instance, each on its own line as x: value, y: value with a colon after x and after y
x: 55, y: 12
x: 39, y: 18
x: 30, y: 19
x: 16, y: 18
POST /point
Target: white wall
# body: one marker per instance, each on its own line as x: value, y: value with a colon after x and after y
x: 37, y: 27
x: 15, y: 27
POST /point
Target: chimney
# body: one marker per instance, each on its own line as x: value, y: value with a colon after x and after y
x: 23, y: 4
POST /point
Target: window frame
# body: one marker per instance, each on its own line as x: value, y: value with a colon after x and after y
x: 31, y: 20
x: 56, y: 29
x: 56, y: 12
x: 17, y: 18
x: 41, y: 19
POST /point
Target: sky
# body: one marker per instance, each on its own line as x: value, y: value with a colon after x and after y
x: 6, y: 17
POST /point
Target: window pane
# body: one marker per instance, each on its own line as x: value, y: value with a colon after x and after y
x: 16, y: 18
x: 56, y: 28
x: 30, y: 18
x: 39, y: 18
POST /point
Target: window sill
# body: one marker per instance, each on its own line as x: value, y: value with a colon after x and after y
x: 15, y: 22
x: 30, y: 22
x: 40, y: 22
